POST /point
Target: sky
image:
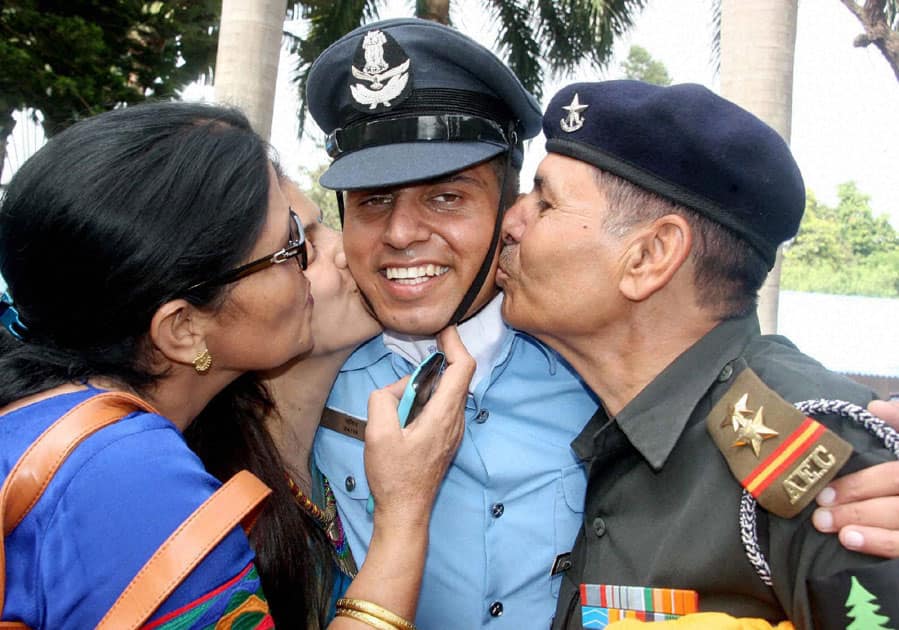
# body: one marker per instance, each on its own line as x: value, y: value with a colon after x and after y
x: 845, y: 99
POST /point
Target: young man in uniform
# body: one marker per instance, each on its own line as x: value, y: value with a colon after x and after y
x: 638, y: 256
x: 426, y: 128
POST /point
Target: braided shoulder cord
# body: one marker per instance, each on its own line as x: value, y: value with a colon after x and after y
x: 748, y: 505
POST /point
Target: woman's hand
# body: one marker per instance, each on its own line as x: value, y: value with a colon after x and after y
x: 405, y: 466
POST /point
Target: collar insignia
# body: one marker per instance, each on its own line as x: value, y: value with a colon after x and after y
x: 383, y: 70
x: 573, y: 121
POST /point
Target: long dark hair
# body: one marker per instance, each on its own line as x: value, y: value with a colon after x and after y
x: 115, y: 216
x: 293, y: 555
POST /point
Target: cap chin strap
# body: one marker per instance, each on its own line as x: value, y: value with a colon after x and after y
x: 339, y: 194
x: 478, y: 282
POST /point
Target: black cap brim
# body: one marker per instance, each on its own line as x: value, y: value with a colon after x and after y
x: 404, y: 163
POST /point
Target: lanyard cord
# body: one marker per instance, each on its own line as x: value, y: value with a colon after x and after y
x: 481, y: 277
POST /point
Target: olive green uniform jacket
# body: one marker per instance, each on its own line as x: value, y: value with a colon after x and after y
x: 662, y: 507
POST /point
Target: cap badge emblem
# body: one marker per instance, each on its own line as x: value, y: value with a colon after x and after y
x: 381, y: 84
x: 573, y: 121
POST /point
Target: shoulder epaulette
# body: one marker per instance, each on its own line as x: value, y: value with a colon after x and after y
x: 781, y: 456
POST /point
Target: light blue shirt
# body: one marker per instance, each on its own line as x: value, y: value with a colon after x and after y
x: 512, y: 501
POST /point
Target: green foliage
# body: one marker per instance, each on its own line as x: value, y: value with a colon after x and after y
x: 322, y: 197
x: 863, y: 609
x: 572, y: 32
x: 844, y: 250
x: 561, y: 34
x: 74, y: 58
x: 641, y: 66
x: 328, y: 21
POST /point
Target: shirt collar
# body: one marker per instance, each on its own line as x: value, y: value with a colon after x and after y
x: 655, y: 419
x: 486, y: 336
x: 483, y: 336
x: 366, y: 355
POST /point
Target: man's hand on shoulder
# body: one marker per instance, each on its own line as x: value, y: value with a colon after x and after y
x: 863, y: 508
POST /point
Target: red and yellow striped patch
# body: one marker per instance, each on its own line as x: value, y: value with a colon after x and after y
x: 792, y: 448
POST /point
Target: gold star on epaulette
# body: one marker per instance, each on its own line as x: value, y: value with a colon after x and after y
x: 740, y: 413
x: 754, y: 432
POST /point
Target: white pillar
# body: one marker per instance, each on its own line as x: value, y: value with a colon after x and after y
x: 758, y: 39
x: 246, y: 66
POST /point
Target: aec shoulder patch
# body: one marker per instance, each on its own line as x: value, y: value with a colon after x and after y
x: 781, y: 456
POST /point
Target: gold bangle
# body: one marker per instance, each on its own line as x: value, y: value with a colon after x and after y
x: 368, y: 620
x: 370, y: 608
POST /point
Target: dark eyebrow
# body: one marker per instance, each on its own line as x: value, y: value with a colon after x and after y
x: 458, y: 177
x: 448, y: 179
x: 370, y: 191
x: 545, y: 187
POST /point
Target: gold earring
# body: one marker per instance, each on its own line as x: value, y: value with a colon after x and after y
x: 202, y: 361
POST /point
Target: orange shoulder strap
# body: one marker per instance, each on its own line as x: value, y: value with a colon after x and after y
x: 236, y: 502
x: 32, y: 473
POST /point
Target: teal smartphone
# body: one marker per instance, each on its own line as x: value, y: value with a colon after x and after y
x: 415, y: 396
x: 420, y: 387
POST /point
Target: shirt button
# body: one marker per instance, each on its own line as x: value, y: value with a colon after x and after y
x: 497, y: 510
x: 599, y: 526
x: 482, y: 416
x: 496, y: 609
x: 726, y: 373
x: 350, y: 483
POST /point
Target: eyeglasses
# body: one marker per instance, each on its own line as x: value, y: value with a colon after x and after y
x: 296, y: 248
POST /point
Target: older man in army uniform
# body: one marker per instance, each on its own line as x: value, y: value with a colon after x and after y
x: 426, y: 129
x: 638, y: 256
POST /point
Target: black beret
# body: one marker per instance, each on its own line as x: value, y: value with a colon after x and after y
x: 406, y: 100
x: 688, y: 145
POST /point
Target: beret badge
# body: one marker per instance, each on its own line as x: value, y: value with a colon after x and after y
x: 573, y: 121
x: 383, y: 70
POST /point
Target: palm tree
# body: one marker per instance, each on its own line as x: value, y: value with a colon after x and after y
x: 565, y: 33
x: 757, y: 42
x: 880, y: 19
x: 246, y: 66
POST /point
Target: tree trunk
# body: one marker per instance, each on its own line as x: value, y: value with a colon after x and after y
x: 7, y: 124
x: 758, y: 39
x: 877, y: 30
x: 436, y: 10
x: 246, y: 66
